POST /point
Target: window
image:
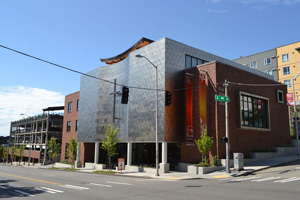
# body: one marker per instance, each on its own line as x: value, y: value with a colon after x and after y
x: 287, y: 82
x: 253, y: 64
x: 76, y: 125
x: 192, y: 61
x: 70, y: 107
x: 267, y: 61
x: 280, y: 98
x: 286, y: 70
x: 269, y: 72
x: 254, y: 111
x: 68, y: 126
x: 66, y: 152
x: 77, y: 105
x: 285, y: 57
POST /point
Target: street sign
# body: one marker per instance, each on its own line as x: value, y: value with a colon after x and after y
x: 121, y: 163
x: 221, y: 98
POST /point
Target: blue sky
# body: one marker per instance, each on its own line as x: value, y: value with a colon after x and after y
x: 77, y: 33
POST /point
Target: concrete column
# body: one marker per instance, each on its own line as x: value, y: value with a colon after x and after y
x: 129, y: 153
x: 96, y: 159
x: 77, y: 162
x: 164, y: 166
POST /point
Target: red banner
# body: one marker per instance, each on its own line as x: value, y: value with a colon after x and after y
x: 202, y: 103
x: 290, y: 99
x: 189, y: 107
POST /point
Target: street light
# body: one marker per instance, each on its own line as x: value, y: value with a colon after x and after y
x: 156, y: 129
x: 29, y: 153
x: 295, y: 110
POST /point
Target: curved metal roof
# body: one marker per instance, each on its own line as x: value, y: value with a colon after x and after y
x: 141, y: 43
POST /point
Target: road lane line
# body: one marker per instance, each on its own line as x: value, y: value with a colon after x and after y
x: 3, y: 188
x: 118, y: 183
x: 74, y: 187
x: 97, y: 184
x: 266, y: 179
x: 287, y: 180
x: 44, y: 190
x: 24, y: 193
x: 244, y: 179
x: 21, y: 177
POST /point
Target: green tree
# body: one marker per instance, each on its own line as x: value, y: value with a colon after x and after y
x: 1, y: 151
x: 72, y: 149
x: 110, y: 142
x: 12, y: 151
x: 204, y: 144
x: 20, y: 152
x: 54, y: 148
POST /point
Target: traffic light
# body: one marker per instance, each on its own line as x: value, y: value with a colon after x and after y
x: 125, y: 95
x: 168, y: 98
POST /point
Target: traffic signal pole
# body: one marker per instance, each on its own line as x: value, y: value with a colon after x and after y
x: 227, y: 130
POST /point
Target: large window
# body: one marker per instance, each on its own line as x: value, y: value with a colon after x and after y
x: 70, y: 107
x: 192, y: 61
x: 77, y: 105
x: 286, y: 70
x: 285, y: 57
x: 76, y: 127
x: 288, y: 83
x: 253, y: 64
x: 254, y: 111
x: 68, y: 126
x: 267, y: 61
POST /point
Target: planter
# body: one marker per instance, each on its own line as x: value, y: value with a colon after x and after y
x: 95, y: 166
x: 203, y: 170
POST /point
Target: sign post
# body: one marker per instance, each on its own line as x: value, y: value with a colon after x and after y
x: 121, y: 164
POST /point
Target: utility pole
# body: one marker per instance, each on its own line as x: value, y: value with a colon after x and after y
x: 227, y: 130
x: 296, y: 115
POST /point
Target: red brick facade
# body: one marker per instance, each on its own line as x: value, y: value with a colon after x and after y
x: 242, y: 140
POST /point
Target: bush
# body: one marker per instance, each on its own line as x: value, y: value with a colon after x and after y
x: 216, y: 161
x: 202, y: 164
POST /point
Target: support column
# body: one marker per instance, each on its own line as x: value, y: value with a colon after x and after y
x: 96, y: 159
x: 77, y: 162
x: 129, y: 153
x: 164, y: 166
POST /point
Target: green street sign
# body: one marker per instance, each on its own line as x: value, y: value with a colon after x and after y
x: 221, y: 98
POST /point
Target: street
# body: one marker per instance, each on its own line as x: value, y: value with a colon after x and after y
x: 32, y: 183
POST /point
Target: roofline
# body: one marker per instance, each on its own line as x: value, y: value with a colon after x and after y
x: 254, y: 54
x: 125, y: 53
x: 54, y: 108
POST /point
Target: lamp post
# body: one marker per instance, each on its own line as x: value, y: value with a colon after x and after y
x: 29, y: 153
x: 295, y: 110
x: 156, y: 129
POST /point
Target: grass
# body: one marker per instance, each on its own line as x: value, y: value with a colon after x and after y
x: 104, y: 172
x: 64, y: 169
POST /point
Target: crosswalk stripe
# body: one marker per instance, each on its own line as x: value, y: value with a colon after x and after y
x: 244, y: 179
x: 287, y: 180
x: 52, y: 190
x: 24, y: 193
x: 3, y: 188
x: 97, y: 184
x: 118, y: 183
x: 74, y: 187
x: 266, y: 179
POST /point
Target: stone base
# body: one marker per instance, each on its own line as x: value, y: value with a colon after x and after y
x: 77, y: 164
x: 164, y: 168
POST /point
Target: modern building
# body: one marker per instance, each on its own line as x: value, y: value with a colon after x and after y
x: 4, y: 140
x: 258, y: 114
x: 265, y: 61
x: 34, y: 132
x: 288, y: 58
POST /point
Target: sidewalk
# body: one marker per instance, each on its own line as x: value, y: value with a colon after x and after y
x: 248, y: 169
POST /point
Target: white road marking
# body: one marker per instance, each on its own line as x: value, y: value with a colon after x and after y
x: 118, y: 183
x: 97, y: 184
x: 52, y: 190
x: 244, y: 179
x: 24, y: 193
x: 266, y: 179
x: 3, y: 188
x: 74, y: 187
x: 287, y: 180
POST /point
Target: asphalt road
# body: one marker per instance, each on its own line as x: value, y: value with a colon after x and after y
x: 31, y: 183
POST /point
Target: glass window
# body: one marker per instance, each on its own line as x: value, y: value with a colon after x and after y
x: 267, y: 61
x: 287, y: 82
x: 280, y: 98
x: 253, y: 64
x: 286, y: 70
x: 70, y: 107
x: 285, y: 57
x: 76, y: 125
x: 269, y: 72
x: 254, y: 111
x: 68, y: 126
x: 77, y: 105
x: 188, y: 61
x: 194, y: 62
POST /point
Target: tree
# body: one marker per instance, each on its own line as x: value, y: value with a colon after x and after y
x: 1, y: 151
x: 20, y: 152
x: 110, y: 142
x: 72, y: 149
x: 12, y: 151
x: 204, y: 144
x: 54, y: 148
